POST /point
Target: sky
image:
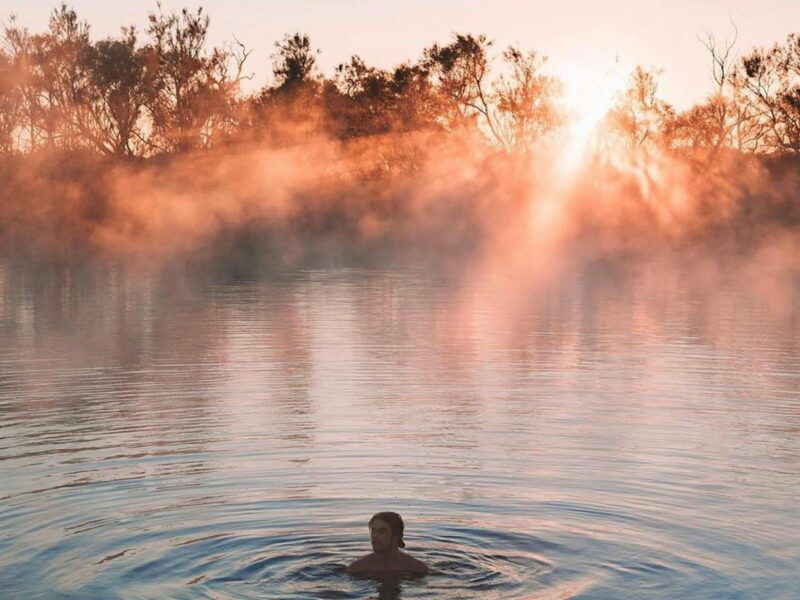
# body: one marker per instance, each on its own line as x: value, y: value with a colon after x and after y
x: 584, y: 37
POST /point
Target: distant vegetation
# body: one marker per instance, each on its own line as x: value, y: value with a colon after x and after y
x: 77, y: 116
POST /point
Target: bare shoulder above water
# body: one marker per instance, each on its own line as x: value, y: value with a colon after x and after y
x: 377, y: 563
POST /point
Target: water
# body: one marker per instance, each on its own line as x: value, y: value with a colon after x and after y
x: 616, y: 433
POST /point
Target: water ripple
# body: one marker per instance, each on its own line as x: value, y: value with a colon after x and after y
x: 233, y: 443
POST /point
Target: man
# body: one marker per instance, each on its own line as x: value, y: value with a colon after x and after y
x: 386, y: 533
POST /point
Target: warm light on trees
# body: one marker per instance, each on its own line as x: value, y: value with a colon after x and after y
x: 167, y: 92
x: 121, y: 81
x: 772, y: 79
x: 294, y: 62
x: 527, y: 101
x: 460, y: 71
x: 194, y: 92
x: 638, y: 116
x: 727, y: 119
x: 9, y: 103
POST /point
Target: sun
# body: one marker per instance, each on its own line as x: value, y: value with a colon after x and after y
x: 589, y: 93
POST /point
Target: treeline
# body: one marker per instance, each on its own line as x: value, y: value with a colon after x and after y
x: 146, y: 145
x: 168, y: 92
x: 173, y: 94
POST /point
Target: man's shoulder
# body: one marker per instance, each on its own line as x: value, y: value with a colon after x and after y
x: 414, y: 565
x: 362, y: 564
x: 371, y: 563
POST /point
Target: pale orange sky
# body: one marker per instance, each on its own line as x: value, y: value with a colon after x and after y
x: 583, y: 35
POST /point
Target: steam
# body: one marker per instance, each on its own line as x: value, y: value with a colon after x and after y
x: 464, y: 201
x: 434, y: 163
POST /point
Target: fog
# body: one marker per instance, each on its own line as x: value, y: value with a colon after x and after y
x: 148, y: 155
x: 466, y: 208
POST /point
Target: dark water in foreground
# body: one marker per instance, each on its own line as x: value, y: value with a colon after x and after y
x: 617, y: 434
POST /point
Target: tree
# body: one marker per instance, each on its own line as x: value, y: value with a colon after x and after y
x: 526, y: 100
x: 291, y: 108
x: 193, y: 95
x: 121, y: 81
x: 351, y: 77
x: 294, y: 62
x: 416, y: 105
x: 772, y: 80
x: 460, y: 70
x: 16, y: 116
x: 365, y: 102
x: 638, y: 116
x: 50, y: 83
x: 10, y: 100
x: 727, y: 118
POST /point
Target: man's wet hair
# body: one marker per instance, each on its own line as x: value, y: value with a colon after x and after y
x: 395, y: 522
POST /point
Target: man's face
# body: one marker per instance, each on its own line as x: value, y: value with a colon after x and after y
x: 381, y: 536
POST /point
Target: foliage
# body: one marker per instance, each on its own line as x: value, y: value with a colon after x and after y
x: 460, y: 71
x: 193, y: 96
x: 527, y: 106
x: 772, y: 79
x: 122, y: 79
x: 294, y: 62
x: 727, y: 119
x: 638, y: 116
x: 171, y: 93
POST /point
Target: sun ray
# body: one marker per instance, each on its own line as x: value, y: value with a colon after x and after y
x: 588, y: 96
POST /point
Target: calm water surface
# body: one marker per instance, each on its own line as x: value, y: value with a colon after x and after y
x: 617, y: 433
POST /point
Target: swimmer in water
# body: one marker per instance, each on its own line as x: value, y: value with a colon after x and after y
x: 386, y: 533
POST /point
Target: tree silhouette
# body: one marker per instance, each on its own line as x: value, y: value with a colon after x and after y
x: 10, y: 98
x: 122, y: 80
x: 772, y: 78
x: 61, y: 91
x: 294, y: 62
x: 728, y: 117
x: 50, y: 82
x: 290, y: 110
x: 527, y: 106
x: 638, y: 116
x: 461, y: 72
x: 193, y: 96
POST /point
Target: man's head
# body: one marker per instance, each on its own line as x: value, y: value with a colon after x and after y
x: 386, y: 531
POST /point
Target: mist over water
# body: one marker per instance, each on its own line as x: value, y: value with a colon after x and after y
x: 259, y: 208
x: 607, y: 429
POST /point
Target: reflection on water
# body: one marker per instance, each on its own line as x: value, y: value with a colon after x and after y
x: 617, y: 433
